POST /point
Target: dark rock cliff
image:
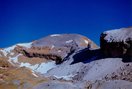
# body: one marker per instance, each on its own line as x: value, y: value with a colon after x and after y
x: 117, y: 43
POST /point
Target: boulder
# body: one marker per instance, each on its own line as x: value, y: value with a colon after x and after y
x: 117, y: 43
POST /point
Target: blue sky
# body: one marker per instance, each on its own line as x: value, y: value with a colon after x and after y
x: 27, y: 20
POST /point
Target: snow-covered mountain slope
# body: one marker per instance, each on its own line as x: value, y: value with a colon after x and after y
x: 61, y: 61
x: 47, y: 53
x: 13, y: 58
x: 9, y: 50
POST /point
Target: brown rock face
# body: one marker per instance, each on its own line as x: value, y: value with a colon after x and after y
x: 36, y: 52
x: 12, y: 77
x: 57, y: 47
x: 117, y: 43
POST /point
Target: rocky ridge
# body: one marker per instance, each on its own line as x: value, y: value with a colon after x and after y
x: 70, y: 61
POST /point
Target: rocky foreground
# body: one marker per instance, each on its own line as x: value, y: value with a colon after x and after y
x: 69, y: 61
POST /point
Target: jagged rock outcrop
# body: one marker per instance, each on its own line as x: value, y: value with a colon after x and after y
x: 117, y: 43
x: 58, y: 46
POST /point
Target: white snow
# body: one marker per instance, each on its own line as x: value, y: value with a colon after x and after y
x: 34, y: 74
x: 28, y: 65
x: 69, y: 41
x: 41, y: 68
x: 68, y: 77
x: 118, y: 35
x: 27, y: 45
x: 5, y: 51
x: 45, y: 67
x: 9, y: 49
x: 59, y: 51
x: 55, y: 35
x: 14, y: 59
x: 52, y: 46
x: 12, y: 53
x: 65, y: 70
x: 86, y: 41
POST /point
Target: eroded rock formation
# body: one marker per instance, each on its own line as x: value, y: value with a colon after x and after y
x: 117, y: 43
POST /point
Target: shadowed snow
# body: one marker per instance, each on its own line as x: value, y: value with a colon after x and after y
x: 41, y: 68
x: 101, y: 68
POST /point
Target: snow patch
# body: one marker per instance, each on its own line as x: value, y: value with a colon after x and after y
x: 41, y: 68
x: 9, y: 49
x: 68, y: 77
x: 52, y: 46
x: 59, y: 51
x: 14, y: 59
x: 69, y: 41
x: 34, y: 74
x: 86, y: 41
x: 27, y: 45
x: 28, y: 65
x: 12, y: 53
x: 45, y: 67
x: 55, y: 35
x: 5, y: 51
x: 118, y: 35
